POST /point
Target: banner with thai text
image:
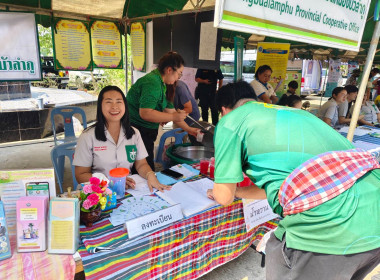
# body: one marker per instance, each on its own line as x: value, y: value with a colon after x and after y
x: 276, y: 56
x: 19, y: 51
x: 332, y: 23
x: 106, y: 45
x: 72, y: 45
x: 138, y: 45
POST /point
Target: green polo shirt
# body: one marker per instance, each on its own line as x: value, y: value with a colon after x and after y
x: 148, y: 92
x: 268, y: 142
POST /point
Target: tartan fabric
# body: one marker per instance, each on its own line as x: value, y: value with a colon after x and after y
x: 187, y: 249
x: 322, y: 178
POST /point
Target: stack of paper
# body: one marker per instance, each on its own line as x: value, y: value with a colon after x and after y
x: 192, y: 196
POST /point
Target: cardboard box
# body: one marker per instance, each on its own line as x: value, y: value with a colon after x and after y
x: 5, y: 246
x: 31, y: 223
x: 63, y: 226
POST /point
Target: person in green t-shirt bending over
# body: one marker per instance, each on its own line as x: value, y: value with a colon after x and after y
x: 148, y: 105
x: 339, y: 238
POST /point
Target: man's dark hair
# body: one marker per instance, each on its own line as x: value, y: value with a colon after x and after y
x: 170, y: 59
x: 261, y: 70
x: 351, y: 88
x: 228, y: 95
x: 101, y: 122
x: 293, y: 100
x: 293, y: 84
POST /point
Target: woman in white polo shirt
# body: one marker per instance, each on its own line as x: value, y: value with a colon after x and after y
x: 329, y: 111
x: 112, y: 142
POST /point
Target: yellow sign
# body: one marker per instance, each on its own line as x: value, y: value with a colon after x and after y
x: 72, y: 46
x: 276, y: 56
x: 106, y: 45
x: 138, y: 45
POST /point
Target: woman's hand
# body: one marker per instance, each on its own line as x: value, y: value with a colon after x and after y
x: 193, y: 131
x: 179, y: 116
x: 154, y: 183
x: 210, y: 194
x: 129, y: 183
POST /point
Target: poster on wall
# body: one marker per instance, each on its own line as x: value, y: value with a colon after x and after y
x: 207, y: 41
x: 335, y: 24
x: 293, y: 73
x: 333, y: 77
x: 17, y: 183
x: 276, y: 56
x: 19, y: 52
x: 106, y: 45
x: 72, y: 45
x: 138, y: 42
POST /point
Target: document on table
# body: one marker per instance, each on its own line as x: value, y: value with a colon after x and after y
x: 192, y: 196
x: 359, y: 131
x: 141, y: 187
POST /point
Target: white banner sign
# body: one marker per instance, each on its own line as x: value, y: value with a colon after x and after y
x: 331, y: 23
x: 257, y: 212
x: 19, y: 52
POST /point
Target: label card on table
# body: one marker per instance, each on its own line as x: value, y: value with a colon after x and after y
x: 153, y: 221
x: 257, y: 212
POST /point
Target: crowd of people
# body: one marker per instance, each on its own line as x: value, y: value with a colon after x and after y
x: 330, y: 224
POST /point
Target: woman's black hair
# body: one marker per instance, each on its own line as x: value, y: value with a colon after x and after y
x: 293, y: 100
x: 228, y: 95
x: 351, y: 88
x: 101, y: 122
x: 336, y: 91
x: 261, y: 70
x: 170, y: 59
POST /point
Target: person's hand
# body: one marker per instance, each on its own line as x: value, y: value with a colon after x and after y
x: 207, y: 81
x: 210, y: 194
x: 179, y: 116
x: 194, y: 131
x: 129, y: 183
x: 361, y: 117
x: 154, y: 183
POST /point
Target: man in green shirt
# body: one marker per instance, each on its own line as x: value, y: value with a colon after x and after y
x: 148, y: 105
x: 338, y: 239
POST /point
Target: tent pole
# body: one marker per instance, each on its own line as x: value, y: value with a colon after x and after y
x: 363, y: 84
x: 126, y: 56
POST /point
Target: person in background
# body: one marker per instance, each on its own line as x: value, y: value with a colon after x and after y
x: 148, y: 104
x: 183, y: 100
x: 372, y: 82
x: 352, y: 79
x: 344, y: 115
x: 262, y: 88
x: 292, y: 87
x: 112, y: 142
x: 294, y: 101
x: 207, y: 81
x: 329, y: 111
x: 370, y: 112
x: 339, y: 233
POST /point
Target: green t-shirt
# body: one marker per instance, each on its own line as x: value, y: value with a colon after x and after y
x: 268, y: 142
x: 148, y: 92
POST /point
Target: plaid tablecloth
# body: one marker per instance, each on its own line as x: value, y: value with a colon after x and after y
x: 185, y: 250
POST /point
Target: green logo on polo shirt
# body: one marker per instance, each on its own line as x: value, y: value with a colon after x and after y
x: 131, y: 151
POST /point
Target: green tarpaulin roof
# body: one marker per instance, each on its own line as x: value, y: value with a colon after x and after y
x: 130, y: 9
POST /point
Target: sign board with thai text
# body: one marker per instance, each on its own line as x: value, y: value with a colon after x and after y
x: 332, y: 23
x: 19, y: 51
x: 257, y: 212
x: 153, y: 221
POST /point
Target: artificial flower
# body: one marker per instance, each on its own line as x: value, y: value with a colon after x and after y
x: 108, y: 191
x: 87, y: 204
x: 93, y: 198
x: 103, y: 183
x: 103, y: 202
x: 94, y: 181
x: 96, y: 189
x: 87, y: 189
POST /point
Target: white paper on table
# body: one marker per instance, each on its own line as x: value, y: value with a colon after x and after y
x: 364, y: 145
x: 141, y: 187
x: 201, y: 185
x: 358, y: 131
x: 192, y: 201
x: 183, y: 170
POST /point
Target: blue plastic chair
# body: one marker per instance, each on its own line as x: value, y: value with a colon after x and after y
x: 58, y: 154
x: 178, y: 135
x: 67, y: 113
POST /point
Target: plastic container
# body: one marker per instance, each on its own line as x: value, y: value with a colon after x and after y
x: 40, y: 103
x: 204, y: 163
x: 117, y: 181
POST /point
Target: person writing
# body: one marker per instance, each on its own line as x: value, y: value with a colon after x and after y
x: 330, y: 214
x: 112, y: 142
x: 207, y: 80
x: 148, y: 105
x: 262, y: 87
x: 329, y: 111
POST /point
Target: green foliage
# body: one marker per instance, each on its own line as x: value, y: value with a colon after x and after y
x: 45, y: 39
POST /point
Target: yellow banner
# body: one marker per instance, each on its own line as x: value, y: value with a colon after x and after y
x: 276, y: 56
x: 72, y: 46
x: 138, y: 45
x: 106, y: 45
